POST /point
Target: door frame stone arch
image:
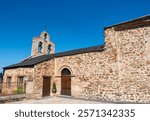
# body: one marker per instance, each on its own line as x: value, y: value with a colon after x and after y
x: 67, y: 67
x: 65, y: 80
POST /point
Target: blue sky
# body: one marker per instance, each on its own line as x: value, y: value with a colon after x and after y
x: 71, y: 24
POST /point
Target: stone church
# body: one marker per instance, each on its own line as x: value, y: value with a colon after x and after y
x: 117, y: 71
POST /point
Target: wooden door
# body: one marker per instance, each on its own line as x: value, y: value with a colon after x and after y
x: 66, y: 85
x: 46, y: 86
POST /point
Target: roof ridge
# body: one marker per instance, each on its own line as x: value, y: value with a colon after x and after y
x: 39, y: 59
x: 81, y: 49
x: 129, y: 21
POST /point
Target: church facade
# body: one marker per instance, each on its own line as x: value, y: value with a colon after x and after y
x: 117, y: 71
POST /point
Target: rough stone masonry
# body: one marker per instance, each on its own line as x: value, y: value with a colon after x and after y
x: 118, y: 71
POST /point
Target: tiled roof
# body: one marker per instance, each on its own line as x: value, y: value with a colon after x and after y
x: 30, y: 62
x: 140, y: 19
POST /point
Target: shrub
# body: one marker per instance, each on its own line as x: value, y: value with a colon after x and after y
x: 54, y: 90
x: 19, y: 91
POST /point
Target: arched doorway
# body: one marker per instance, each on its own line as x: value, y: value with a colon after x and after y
x: 65, y: 82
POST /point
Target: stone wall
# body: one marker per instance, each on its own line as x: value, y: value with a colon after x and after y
x: 133, y: 61
x: 41, y: 70
x: 14, y: 74
x: 120, y: 73
x: 94, y: 75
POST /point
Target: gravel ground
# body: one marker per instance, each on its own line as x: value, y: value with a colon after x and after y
x: 57, y: 100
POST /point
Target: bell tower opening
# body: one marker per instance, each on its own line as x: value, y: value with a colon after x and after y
x: 49, y: 49
x: 45, y: 37
x: 42, y: 45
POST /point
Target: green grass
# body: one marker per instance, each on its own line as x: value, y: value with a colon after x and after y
x: 19, y: 90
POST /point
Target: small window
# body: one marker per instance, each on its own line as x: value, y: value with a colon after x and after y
x: 8, y: 82
x: 48, y: 49
x: 40, y: 47
x: 20, y: 81
x: 45, y: 37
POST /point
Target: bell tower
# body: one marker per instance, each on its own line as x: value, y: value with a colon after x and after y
x: 42, y: 45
